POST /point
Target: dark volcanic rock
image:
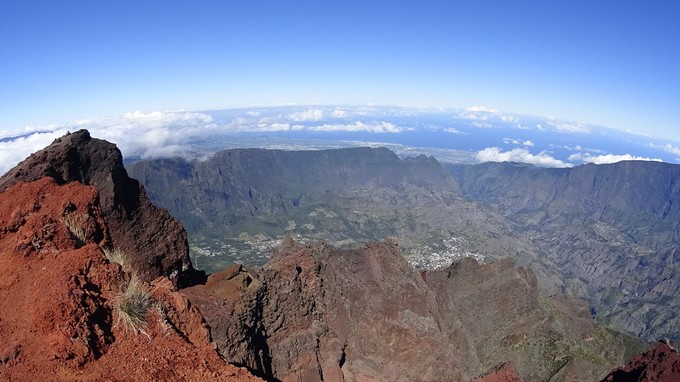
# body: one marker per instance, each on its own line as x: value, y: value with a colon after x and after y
x: 316, y: 312
x: 661, y: 363
x: 154, y: 243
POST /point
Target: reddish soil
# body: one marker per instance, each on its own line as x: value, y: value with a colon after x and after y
x: 57, y: 294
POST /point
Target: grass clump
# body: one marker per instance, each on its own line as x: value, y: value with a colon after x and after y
x: 114, y: 256
x: 132, y: 305
x: 76, y: 225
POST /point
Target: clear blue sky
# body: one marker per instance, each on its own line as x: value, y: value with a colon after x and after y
x: 615, y: 63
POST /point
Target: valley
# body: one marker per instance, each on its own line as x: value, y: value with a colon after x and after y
x: 606, y: 233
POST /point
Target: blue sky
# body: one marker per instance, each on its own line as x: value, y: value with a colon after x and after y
x: 615, y: 63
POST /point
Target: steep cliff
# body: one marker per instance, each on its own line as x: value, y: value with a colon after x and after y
x: 155, y: 244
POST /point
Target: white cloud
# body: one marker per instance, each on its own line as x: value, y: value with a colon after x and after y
x: 307, y: 115
x: 337, y: 113
x: 667, y: 148
x: 570, y: 127
x: 607, y: 158
x: 149, y: 135
x: 508, y: 118
x: 517, y: 142
x: 543, y: 159
x: 472, y: 116
x: 452, y: 130
x: 14, y: 151
x: 373, y: 127
x: 274, y: 127
x: 481, y: 109
x: 481, y: 125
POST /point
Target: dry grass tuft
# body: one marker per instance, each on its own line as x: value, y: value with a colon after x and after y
x: 115, y: 256
x: 76, y: 225
x: 132, y: 305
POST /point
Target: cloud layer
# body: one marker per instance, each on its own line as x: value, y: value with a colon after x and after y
x: 547, y: 142
x: 166, y: 133
x: 608, y: 158
x: 543, y: 159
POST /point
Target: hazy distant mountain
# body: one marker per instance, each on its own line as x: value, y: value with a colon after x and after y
x: 239, y: 201
x: 613, y: 232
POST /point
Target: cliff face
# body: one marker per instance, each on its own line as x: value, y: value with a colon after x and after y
x: 610, y: 233
x: 314, y: 311
x: 60, y: 299
x: 155, y: 243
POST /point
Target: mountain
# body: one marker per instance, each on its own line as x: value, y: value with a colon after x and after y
x: 71, y: 309
x: 315, y: 312
x: 606, y: 233
x: 74, y: 306
x: 154, y: 242
x: 238, y: 203
x: 611, y: 231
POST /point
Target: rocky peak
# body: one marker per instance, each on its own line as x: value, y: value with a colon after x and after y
x: 154, y: 243
x: 61, y: 299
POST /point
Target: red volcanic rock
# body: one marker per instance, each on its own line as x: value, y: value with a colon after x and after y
x: 315, y: 312
x: 154, y: 243
x: 318, y: 313
x: 58, y: 293
x: 661, y: 363
x: 501, y: 373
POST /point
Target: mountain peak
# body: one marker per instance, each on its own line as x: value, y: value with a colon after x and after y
x: 154, y: 242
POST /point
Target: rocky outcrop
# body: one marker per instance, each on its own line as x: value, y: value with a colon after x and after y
x: 60, y: 297
x: 661, y: 363
x: 315, y: 311
x: 154, y: 243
